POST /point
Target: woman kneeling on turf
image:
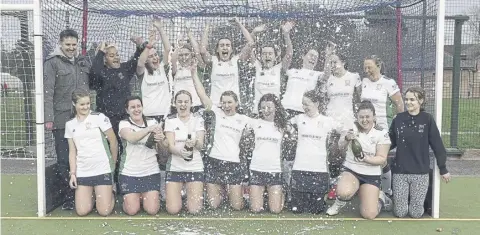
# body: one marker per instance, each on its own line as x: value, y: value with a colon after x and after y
x: 91, y: 163
x: 362, y: 169
x: 185, y: 133
x: 139, y: 173
x: 266, y: 135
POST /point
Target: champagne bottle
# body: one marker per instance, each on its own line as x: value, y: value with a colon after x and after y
x: 357, y: 150
x: 150, y: 141
x: 190, y: 149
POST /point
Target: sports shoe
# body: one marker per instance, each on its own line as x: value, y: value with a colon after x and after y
x: 68, y: 205
x: 386, y: 201
x: 336, y: 207
x: 332, y: 194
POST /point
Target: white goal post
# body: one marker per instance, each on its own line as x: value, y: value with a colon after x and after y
x: 40, y: 130
x: 35, y: 6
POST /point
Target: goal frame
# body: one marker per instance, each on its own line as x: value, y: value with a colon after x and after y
x: 39, y: 97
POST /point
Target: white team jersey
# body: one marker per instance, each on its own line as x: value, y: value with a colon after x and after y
x: 137, y: 159
x: 340, y: 93
x: 369, y: 142
x: 93, y: 154
x: 378, y: 93
x: 228, y: 132
x: 266, y: 81
x: 181, y: 130
x: 183, y: 81
x: 299, y: 81
x: 311, y: 153
x: 224, y: 77
x: 266, y: 156
x: 156, y: 95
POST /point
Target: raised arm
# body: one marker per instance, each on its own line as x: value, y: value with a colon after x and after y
x: 207, y: 58
x: 142, y: 60
x: 206, y: 101
x: 247, y: 49
x: 167, y: 47
x: 131, y: 65
x: 196, y: 49
x: 287, y: 59
x: 98, y: 64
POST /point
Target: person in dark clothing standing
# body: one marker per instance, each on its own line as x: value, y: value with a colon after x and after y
x: 111, y: 79
x: 64, y: 71
x: 412, y: 133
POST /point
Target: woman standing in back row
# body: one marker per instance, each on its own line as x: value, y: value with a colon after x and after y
x: 382, y: 92
x: 412, y: 133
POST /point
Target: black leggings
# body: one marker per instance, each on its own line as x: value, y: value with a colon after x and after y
x: 304, y: 202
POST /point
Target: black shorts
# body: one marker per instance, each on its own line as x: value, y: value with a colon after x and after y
x: 310, y: 182
x: 104, y: 179
x: 184, y: 177
x: 261, y: 178
x: 366, y: 179
x: 224, y: 172
x: 131, y: 184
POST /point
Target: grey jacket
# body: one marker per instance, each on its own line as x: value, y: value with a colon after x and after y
x: 60, y: 78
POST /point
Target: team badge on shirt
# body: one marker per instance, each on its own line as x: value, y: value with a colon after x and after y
x: 88, y: 125
x: 120, y: 75
x: 106, y: 120
x: 379, y: 86
x: 372, y: 140
x: 347, y: 82
x: 421, y: 128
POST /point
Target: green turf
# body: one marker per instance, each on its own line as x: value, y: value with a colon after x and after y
x: 61, y: 227
x: 459, y: 199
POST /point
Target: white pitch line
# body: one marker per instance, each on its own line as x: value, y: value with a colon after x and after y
x: 236, y: 219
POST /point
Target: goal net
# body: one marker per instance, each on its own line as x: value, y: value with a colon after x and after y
x: 402, y: 33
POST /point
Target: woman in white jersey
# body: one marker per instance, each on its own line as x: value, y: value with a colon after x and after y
x: 139, y: 173
x: 92, y: 158
x: 182, y: 60
x: 362, y: 170
x: 185, y: 134
x: 343, y: 89
x: 224, y: 74
x: 382, y: 92
x: 224, y: 166
x: 266, y: 137
x: 153, y: 73
x: 270, y: 75
x: 304, y: 79
x: 310, y: 177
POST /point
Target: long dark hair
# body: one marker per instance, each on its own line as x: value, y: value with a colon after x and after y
x: 127, y: 102
x: 280, y: 119
x: 420, y: 94
x: 76, y: 95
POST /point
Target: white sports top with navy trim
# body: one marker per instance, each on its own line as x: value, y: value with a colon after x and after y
x: 378, y: 93
x: 155, y: 90
x: 340, y: 92
x: 183, y: 81
x: 311, y: 153
x: 93, y: 153
x: 299, y: 81
x: 266, y: 81
x: 228, y: 132
x: 224, y: 77
x: 181, y: 130
x: 137, y: 159
x: 369, y: 142
x: 266, y: 156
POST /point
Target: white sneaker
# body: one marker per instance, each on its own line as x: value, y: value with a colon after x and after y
x: 386, y: 201
x: 336, y: 207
